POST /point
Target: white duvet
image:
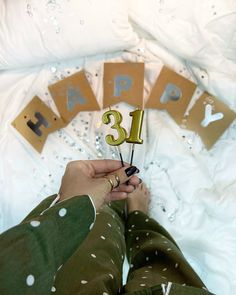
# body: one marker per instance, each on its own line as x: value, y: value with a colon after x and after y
x: 192, y: 189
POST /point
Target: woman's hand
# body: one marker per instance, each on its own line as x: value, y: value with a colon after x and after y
x: 92, y: 178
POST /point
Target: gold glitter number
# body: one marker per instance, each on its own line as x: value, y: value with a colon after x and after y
x: 122, y: 134
x: 136, y: 127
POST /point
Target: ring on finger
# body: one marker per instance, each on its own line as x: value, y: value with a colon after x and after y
x: 117, y: 180
x: 110, y: 182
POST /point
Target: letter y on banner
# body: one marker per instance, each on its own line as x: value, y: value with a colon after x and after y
x: 209, y: 117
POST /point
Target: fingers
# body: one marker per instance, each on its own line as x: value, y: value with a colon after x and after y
x: 129, y: 187
x: 125, y: 188
x: 105, y: 166
x: 116, y: 196
x: 134, y: 180
x: 121, y: 176
x: 124, y: 174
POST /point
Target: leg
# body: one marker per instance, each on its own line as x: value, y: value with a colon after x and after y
x: 96, y: 267
x: 154, y: 256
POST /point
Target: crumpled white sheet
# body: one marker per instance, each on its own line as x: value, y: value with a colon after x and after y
x: 192, y: 190
x: 202, y: 33
x: 35, y: 32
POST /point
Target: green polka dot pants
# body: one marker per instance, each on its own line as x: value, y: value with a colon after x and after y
x: 157, y: 266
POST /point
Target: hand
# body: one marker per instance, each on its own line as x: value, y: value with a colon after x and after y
x: 91, y: 178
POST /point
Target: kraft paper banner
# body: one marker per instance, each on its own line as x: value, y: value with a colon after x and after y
x: 171, y: 92
x: 73, y: 95
x: 36, y: 122
x: 209, y: 117
x: 123, y: 82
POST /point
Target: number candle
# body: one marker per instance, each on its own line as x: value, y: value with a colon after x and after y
x: 135, y: 131
x: 122, y: 134
x: 136, y: 127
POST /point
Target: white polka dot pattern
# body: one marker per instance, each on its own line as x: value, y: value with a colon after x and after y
x: 53, y: 289
x: 30, y: 280
x: 62, y: 212
x: 35, y: 223
x: 83, y: 282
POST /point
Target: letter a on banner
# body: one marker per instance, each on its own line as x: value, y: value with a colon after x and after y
x: 123, y: 82
x: 73, y: 95
x: 36, y: 122
x: 209, y: 117
x: 171, y: 92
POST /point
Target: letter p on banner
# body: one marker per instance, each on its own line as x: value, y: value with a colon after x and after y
x: 123, y: 82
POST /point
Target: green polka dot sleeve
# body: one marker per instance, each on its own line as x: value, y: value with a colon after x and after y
x: 32, y: 252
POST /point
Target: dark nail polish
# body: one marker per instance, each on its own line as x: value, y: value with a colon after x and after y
x: 131, y: 170
x: 140, y: 180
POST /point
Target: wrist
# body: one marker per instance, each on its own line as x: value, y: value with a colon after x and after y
x: 96, y: 201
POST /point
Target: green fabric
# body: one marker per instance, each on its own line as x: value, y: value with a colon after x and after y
x: 101, y: 274
x: 156, y: 259
x: 34, y: 250
x: 69, y: 255
x: 96, y: 266
x: 176, y: 289
x: 44, y: 205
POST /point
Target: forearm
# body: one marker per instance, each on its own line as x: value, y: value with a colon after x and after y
x: 32, y: 252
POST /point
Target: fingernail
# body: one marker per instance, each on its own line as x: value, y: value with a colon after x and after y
x: 140, y: 180
x: 131, y: 170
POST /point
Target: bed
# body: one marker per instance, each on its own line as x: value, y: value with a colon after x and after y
x: 192, y: 188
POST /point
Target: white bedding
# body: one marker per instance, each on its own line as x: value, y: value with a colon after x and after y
x: 35, y: 32
x: 192, y: 188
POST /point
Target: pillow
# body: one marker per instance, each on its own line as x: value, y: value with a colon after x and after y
x: 203, y: 32
x: 34, y: 32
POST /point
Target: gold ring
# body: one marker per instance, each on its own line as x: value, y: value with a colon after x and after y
x: 117, y: 180
x: 110, y: 182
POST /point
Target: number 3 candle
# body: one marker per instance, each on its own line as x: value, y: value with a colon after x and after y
x: 122, y: 134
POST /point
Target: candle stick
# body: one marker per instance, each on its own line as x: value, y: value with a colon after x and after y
x: 120, y: 154
x: 132, y: 154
